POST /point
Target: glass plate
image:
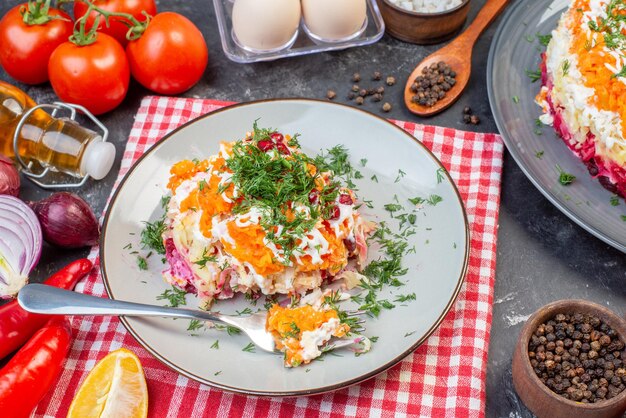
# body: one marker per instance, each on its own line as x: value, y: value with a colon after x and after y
x: 515, y: 49
x: 304, y: 42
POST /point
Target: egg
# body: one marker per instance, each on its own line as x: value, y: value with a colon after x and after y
x: 264, y: 25
x: 334, y: 19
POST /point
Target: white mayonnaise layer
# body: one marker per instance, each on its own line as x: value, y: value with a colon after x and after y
x: 312, y: 340
x: 570, y: 93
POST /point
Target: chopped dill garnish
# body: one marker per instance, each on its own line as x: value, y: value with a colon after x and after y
x: 392, y: 207
x: 246, y: 311
x: 539, y: 154
x: 195, y: 324
x: 405, y: 298
x: 363, y: 162
x: 249, y: 348
x: 434, y: 199
x: 142, y: 263
x: 440, y: 175
x: 400, y: 175
x: 565, y: 178
x: 165, y: 201
x: 614, y: 200
x: 534, y: 75
x: 374, y: 178
x: 151, y: 236
x: 544, y: 39
x: 216, y: 345
x: 408, y: 334
x: 175, y: 296
x: 205, y: 259
x: 276, y: 183
x: 565, y: 67
x: 515, y: 99
x: 230, y: 330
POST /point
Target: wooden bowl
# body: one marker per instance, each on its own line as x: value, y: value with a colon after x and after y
x: 537, y: 396
x: 423, y: 28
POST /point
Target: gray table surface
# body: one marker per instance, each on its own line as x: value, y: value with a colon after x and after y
x: 542, y: 255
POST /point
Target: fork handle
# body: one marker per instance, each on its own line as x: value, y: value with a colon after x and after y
x: 42, y: 299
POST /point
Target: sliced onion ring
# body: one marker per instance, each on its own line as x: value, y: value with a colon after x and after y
x: 20, y: 244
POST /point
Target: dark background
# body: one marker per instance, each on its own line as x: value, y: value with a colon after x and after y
x: 542, y: 255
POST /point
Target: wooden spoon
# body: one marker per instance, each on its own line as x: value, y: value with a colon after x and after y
x: 458, y: 55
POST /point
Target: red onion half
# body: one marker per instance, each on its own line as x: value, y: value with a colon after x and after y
x: 9, y: 177
x: 20, y: 244
x: 67, y: 221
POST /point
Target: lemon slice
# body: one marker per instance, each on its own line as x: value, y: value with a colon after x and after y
x: 115, y: 388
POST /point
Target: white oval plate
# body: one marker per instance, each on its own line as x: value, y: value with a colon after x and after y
x: 436, y: 269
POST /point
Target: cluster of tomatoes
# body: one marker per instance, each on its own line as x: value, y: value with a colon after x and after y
x: 167, y: 54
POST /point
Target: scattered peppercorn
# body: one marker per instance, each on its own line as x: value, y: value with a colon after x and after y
x: 432, y: 85
x: 474, y: 120
x: 577, y: 356
x: 386, y: 107
x: 360, y: 100
x: 467, y: 110
x: 356, y: 77
x: 377, y: 76
x: 330, y: 94
x: 363, y: 92
x: 351, y: 96
x: 356, y: 88
x: 390, y: 81
x: 377, y: 97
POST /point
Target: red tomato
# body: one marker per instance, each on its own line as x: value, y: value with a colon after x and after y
x: 25, y: 49
x: 95, y: 75
x: 170, y: 56
x: 116, y: 28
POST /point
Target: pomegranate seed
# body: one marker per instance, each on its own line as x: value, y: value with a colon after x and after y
x: 350, y: 245
x: 266, y: 145
x: 334, y: 213
x: 282, y: 148
x: 314, y: 197
x: 277, y: 137
x: 345, y: 199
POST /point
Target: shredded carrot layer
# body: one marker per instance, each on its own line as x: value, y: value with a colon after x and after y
x: 288, y: 324
x: 592, y: 56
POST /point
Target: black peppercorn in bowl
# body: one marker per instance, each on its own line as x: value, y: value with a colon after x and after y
x: 583, y: 344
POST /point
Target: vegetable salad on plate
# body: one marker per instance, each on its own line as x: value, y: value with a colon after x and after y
x: 260, y: 217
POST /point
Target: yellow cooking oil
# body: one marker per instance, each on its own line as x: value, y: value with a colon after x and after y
x: 58, y: 144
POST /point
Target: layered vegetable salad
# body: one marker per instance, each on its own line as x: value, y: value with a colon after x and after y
x: 584, y: 87
x: 260, y: 217
x: 303, y: 330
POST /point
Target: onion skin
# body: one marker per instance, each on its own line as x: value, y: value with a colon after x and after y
x: 67, y: 221
x: 9, y: 177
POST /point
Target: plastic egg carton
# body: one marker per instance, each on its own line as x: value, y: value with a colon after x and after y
x: 373, y: 29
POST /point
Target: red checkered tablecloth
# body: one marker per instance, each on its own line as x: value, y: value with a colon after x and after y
x: 444, y: 377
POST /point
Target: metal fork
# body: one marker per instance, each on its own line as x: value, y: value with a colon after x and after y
x: 42, y: 299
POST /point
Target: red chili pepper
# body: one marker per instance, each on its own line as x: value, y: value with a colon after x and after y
x: 27, y: 377
x: 17, y: 325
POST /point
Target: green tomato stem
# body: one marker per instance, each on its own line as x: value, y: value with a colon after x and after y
x: 82, y: 37
x: 36, y: 13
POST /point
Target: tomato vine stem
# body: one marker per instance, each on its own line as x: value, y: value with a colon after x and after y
x: 83, y: 37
